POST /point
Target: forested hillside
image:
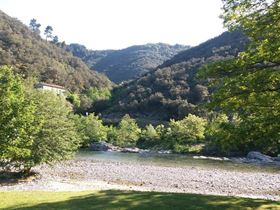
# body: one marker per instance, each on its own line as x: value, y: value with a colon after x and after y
x: 90, y: 57
x: 128, y: 63
x: 172, y: 90
x: 224, y: 45
x: 32, y: 56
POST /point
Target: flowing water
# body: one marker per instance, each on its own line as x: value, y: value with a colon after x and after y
x: 175, y: 160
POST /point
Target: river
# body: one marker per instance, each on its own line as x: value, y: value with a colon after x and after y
x: 176, y: 160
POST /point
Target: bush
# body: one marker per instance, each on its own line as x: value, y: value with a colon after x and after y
x: 149, y: 137
x: 186, y: 132
x: 126, y: 134
x: 90, y: 129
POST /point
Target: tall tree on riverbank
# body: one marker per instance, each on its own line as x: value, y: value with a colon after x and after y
x: 17, y: 119
x: 35, y: 126
x: 57, y: 137
x: 249, y: 85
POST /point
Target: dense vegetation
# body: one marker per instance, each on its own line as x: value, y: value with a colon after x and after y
x: 128, y: 63
x: 36, y: 126
x: 30, y: 55
x: 192, y: 134
x: 247, y: 86
x: 173, y: 91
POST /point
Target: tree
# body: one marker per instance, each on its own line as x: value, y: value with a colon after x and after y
x: 17, y: 128
x: 189, y: 130
x: 34, y: 26
x: 35, y: 126
x: 55, y: 40
x: 249, y: 84
x: 97, y: 94
x: 185, y: 134
x: 57, y: 137
x: 149, y: 137
x: 90, y: 129
x: 48, y: 32
x: 74, y: 99
x: 126, y: 134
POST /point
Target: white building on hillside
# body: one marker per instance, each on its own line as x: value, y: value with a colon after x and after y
x: 51, y: 87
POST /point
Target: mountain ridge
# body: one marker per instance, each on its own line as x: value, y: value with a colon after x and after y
x: 128, y: 63
x: 171, y: 90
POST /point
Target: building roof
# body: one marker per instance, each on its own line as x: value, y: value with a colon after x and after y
x: 51, y: 85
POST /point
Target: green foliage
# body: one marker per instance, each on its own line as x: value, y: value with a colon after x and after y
x: 187, y: 135
x: 74, y: 99
x: 150, y: 137
x: 248, y: 85
x: 150, y: 132
x: 96, y: 94
x: 57, y: 138
x: 90, y: 129
x: 172, y: 91
x: 17, y: 120
x: 126, y: 134
x: 35, y: 126
x: 90, y: 100
x: 112, y: 134
x: 214, y: 126
x: 187, y: 132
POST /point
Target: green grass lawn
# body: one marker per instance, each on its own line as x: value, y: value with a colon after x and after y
x: 113, y: 199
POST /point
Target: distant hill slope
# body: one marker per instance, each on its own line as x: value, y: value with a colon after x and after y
x: 223, y: 45
x: 30, y: 55
x: 171, y: 90
x: 90, y: 57
x: 128, y: 63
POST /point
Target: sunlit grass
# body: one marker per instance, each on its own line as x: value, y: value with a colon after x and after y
x: 113, y: 199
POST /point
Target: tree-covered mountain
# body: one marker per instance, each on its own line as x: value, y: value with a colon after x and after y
x: 172, y: 90
x: 129, y: 63
x: 32, y: 56
x: 90, y: 57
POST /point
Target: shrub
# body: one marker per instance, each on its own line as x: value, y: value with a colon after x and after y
x: 149, y: 137
x: 186, y: 132
x: 90, y: 129
x: 126, y: 134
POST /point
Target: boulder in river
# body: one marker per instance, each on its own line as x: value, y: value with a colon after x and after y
x: 259, y: 157
x: 131, y: 150
x: 277, y: 158
x: 102, y: 146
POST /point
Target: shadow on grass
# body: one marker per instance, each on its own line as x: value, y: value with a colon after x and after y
x: 16, y: 177
x: 113, y: 199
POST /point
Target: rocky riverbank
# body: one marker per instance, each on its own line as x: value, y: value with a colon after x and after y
x: 76, y: 175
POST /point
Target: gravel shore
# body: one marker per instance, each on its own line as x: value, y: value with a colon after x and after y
x: 78, y: 175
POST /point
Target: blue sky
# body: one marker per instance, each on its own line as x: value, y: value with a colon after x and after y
x: 116, y: 24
